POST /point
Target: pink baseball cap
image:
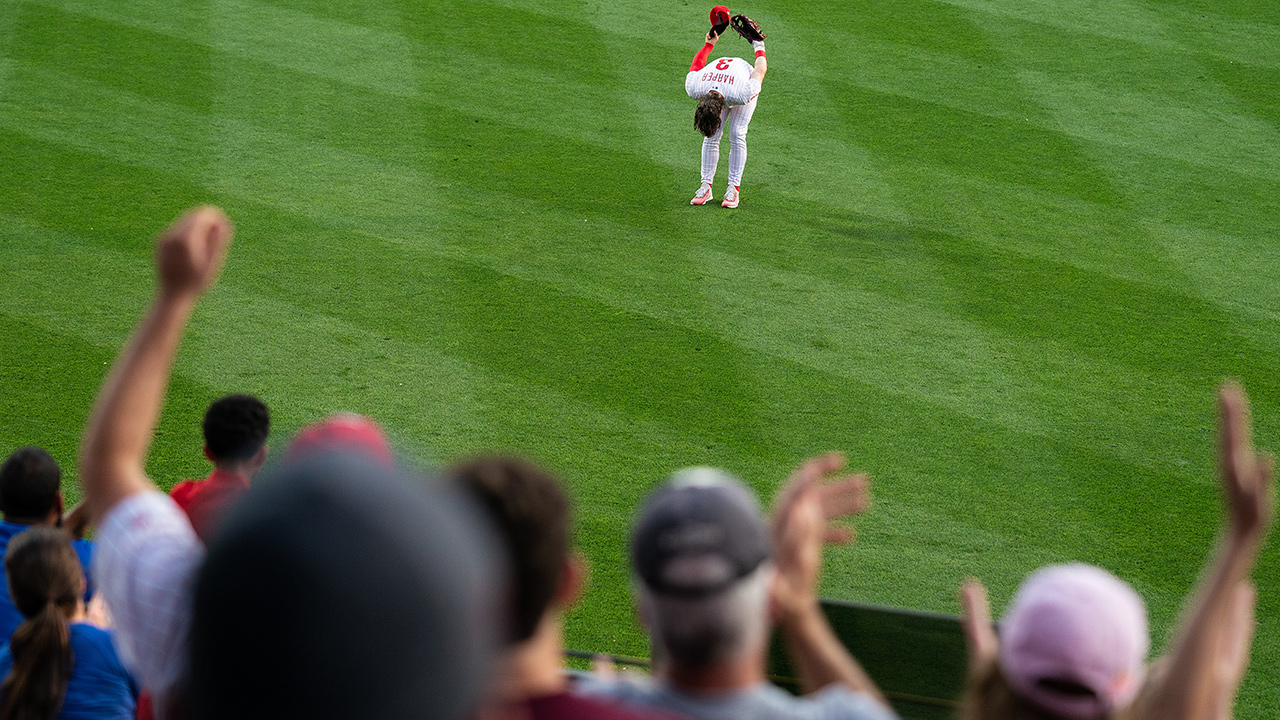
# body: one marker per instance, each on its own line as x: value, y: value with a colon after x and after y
x: 1074, y: 641
x: 342, y: 431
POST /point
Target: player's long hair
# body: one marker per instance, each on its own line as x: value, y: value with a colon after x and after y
x: 44, y: 578
x: 707, y: 117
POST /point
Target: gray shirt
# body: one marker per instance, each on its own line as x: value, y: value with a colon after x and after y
x: 760, y: 702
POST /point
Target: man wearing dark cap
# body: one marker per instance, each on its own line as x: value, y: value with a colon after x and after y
x: 282, y: 617
x: 31, y: 496
x: 711, y: 582
x: 531, y: 513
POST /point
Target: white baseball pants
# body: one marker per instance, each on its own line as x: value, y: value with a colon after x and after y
x: 737, y: 117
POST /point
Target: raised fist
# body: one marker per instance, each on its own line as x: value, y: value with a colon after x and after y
x: 190, y: 253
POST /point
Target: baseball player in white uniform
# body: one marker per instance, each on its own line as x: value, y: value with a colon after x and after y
x: 726, y: 90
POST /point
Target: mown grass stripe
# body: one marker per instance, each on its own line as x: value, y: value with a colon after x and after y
x: 212, y: 352
x: 1128, y: 21
x: 402, y: 203
x: 323, y: 202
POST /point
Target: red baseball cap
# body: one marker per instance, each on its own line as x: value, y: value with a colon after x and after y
x: 342, y: 431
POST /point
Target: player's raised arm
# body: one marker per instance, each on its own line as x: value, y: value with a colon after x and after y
x: 761, y: 66
x: 700, y: 60
x: 719, y: 23
x: 188, y: 257
x: 750, y: 31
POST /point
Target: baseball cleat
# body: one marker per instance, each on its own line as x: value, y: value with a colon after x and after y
x: 730, y: 197
x: 704, y: 194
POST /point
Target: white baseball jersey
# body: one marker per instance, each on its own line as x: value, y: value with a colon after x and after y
x: 729, y: 76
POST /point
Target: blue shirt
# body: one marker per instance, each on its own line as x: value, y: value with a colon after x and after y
x: 10, y: 618
x: 100, y: 688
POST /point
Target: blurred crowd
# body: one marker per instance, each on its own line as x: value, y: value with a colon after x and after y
x: 341, y: 584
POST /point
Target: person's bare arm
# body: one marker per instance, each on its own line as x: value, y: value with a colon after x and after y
x: 800, y: 527
x: 189, y: 255
x: 761, y: 67
x: 1192, y: 685
x: 1233, y: 652
x: 981, y: 644
x: 76, y: 521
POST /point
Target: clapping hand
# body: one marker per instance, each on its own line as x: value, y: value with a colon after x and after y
x: 802, y: 522
x: 1246, y: 474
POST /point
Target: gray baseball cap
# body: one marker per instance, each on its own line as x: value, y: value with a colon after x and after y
x: 698, y: 534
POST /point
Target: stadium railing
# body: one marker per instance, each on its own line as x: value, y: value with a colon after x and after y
x: 916, y: 658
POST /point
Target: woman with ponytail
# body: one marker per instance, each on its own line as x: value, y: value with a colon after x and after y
x: 56, y: 665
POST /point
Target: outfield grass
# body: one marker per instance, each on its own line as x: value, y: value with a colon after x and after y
x: 1000, y: 252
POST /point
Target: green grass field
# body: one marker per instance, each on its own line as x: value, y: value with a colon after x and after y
x: 999, y: 252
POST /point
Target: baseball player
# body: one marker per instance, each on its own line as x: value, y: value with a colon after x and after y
x: 726, y: 90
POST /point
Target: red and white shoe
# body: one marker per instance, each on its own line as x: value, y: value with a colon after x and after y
x: 730, y: 197
x: 703, y: 196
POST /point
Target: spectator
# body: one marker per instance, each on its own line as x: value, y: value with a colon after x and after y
x: 392, y: 608
x: 1074, y: 646
x: 235, y: 441
x: 531, y: 513
x: 1074, y: 640
x: 708, y: 575
x: 31, y: 496
x: 337, y: 589
x: 57, y: 665
x: 350, y: 431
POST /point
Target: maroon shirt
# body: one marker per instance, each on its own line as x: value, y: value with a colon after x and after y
x: 205, y: 501
x: 568, y: 706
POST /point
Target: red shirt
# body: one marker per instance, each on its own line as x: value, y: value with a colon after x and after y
x: 205, y: 501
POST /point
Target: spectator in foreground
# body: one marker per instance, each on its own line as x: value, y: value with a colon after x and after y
x: 340, y: 588
x: 235, y: 441
x: 57, y: 665
x: 31, y: 496
x: 1073, y: 643
x: 710, y: 583
x: 337, y: 589
x: 531, y: 512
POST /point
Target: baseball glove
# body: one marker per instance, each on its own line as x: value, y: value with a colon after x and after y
x: 747, y: 28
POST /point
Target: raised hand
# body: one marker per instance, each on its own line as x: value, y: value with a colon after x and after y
x: 802, y: 522
x: 191, y: 251
x: 803, y: 517
x: 1210, y: 647
x: 188, y: 256
x: 1246, y: 475
x: 975, y: 619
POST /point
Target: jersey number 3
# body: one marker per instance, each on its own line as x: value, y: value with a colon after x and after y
x: 723, y: 64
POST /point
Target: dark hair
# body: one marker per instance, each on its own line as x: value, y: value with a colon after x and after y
x: 29, y: 482
x: 531, y: 513
x: 236, y: 427
x: 44, y: 579
x: 707, y: 116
